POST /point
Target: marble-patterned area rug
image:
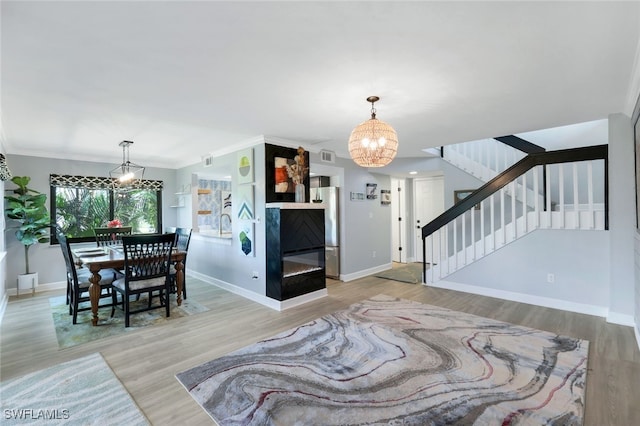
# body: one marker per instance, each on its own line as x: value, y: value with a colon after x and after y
x: 70, y: 334
x: 393, y: 361
x: 80, y: 392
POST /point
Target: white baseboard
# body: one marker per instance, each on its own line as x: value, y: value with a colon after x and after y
x: 300, y: 300
x: 581, y: 308
x: 39, y: 288
x: 620, y: 319
x: 255, y: 297
x: 365, y: 272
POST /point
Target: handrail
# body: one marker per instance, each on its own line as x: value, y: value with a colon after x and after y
x: 596, y: 152
x: 520, y: 144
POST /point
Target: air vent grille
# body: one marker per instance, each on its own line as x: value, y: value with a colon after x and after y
x: 327, y: 156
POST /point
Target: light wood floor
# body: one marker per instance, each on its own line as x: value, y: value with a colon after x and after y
x: 147, y: 360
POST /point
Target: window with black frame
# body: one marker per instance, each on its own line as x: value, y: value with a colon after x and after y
x: 81, y: 203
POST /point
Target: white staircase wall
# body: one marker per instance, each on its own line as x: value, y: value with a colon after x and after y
x: 574, y: 201
x: 578, y: 262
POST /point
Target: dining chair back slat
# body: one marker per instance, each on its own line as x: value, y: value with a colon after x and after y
x: 147, y: 262
x: 78, y: 283
x: 183, y: 237
x: 110, y: 236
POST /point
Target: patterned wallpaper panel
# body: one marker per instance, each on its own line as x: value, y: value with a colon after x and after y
x: 218, y: 201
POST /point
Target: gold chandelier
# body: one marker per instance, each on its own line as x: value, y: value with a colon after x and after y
x: 373, y: 143
x: 127, y: 175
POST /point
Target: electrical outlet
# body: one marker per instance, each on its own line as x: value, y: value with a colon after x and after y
x: 551, y: 278
x: 254, y: 275
x: 373, y: 254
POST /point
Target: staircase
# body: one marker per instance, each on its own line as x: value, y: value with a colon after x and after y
x: 563, y: 189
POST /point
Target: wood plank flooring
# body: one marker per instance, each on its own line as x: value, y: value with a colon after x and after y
x: 147, y: 360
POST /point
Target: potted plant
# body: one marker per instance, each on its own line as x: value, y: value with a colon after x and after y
x: 27, y: 207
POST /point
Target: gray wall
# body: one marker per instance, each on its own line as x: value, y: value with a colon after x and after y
x: 366, y: 225
x: 579, y: 261
x: 47, y: 259
x: 215, y: 258
x: 622, y: 221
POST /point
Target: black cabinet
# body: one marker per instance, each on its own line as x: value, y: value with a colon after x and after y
x: 295, y: 252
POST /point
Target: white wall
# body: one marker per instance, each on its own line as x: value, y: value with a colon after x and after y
x: 594, y: 270
x: 579, y: 261
x: 622, y: 220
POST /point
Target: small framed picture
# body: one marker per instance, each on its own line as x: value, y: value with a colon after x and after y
x: 385, y: 197
x: 357, y: 196
x: 461, y: 194
x: 371, y: 191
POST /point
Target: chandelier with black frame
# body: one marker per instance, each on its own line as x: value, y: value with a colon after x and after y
x: 127, y: 175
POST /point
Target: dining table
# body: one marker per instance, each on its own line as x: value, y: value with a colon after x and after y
x: 98, y: 258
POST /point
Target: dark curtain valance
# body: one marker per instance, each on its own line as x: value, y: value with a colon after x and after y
x: 94, y: 182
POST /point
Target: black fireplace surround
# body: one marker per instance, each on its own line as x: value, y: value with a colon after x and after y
x: 295, y: 252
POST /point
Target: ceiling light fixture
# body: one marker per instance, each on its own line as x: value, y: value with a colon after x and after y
x: 373, y: 143
x: 127, y: 174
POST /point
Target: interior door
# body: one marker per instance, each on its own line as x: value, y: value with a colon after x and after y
x: 428, y: 195
x: 399, y: 241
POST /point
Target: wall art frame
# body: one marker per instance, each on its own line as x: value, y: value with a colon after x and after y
x: 461, y: 194
x: 245, y: 202
x: 275, y: 176
x: 385, y: 197
x: 356, y: 196
x: 245, y: 166
x: 371, y: 191
x: 246, y: 237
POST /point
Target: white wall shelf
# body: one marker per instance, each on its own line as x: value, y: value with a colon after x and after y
x: 179, y: 201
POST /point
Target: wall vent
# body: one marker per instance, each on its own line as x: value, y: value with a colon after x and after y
x: 327, y: 156
x: 207, y: 160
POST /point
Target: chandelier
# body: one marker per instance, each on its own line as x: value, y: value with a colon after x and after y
x: 127, y: 174
x: 373, y: 143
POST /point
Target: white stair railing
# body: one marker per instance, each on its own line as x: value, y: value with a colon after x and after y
x: 485, y: 159
x: 575, y: 200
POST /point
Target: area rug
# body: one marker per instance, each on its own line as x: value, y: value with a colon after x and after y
x: 70, y: 334
x: 80, y: 392
x: 409, y: 273
x: 393, y: 361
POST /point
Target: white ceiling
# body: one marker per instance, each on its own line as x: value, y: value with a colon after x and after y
x: 183, y: 79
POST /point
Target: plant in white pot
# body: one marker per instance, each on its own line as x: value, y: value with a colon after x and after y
x: 27, y: 207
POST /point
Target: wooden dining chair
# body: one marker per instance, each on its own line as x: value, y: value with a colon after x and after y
x: 110, y: 236
x: 183, y: 237
x: 147, y: 261
x: 78, y: 281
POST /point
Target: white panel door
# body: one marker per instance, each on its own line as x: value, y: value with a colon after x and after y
x: 399, y: 241
x: 428, y: 196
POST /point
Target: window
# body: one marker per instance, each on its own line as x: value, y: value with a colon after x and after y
x: 81, y: 203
